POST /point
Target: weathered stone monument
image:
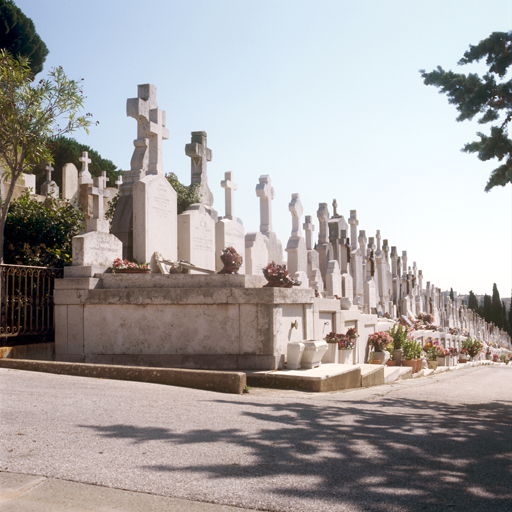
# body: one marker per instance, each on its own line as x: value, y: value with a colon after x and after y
x: 49, y: 188
x: 296, y: 247
x: 70, y: 189
x: 265, y: 191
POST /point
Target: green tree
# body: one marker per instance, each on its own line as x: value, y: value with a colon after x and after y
x: 68, y: 151
x: 510, y: 320
x: 489, y: 95
x: 40, y: 233
x: 452, y: 297
x: 497, y: 311
x: 487, y: 309
x: 504, y: 321
x: 473, y: 302
x: 187, y: 194
x: 29, y: 115
x: 19, y: 37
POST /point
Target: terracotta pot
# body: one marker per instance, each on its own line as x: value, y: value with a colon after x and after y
x: 390, y: 363
x: 463, y: 360
x: 411, y: 363
x: 417, y: 366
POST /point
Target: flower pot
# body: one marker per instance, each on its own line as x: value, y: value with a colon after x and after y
x: 294, y: 351
x: 390, y: 363
x: 397, y: 356
x: 411, y: 363
x: 313, y: 353
x: 381, y: 356
x: 345, y: 356
x: 432, y: 365
x: 331, y: 356
x: 442, y: 361
x: 463, y: 360
x: 229, y: 268
x: 417, y: 365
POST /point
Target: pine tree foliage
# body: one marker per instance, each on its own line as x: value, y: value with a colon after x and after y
x: 487, y: 309
x: 489, y: 96
x: 497, y: 311
x: 19, y: 37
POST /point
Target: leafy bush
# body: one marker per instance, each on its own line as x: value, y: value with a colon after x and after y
x: 187, y: 194
x: 40, y: 234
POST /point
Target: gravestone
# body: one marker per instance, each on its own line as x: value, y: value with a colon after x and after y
x: 49, y: 188
x: 70, y: 189
x: 323, y: 247
x: 155, y: 227
x: 200, y: 155
x: 229, y: 231
x: 146, y: 159
x: 296, y: 247
x: 333, y: 280
x: 356, y: 260
x: 256, y: 253
x: 95, y: 251
x: 84, y: 182
x: 370, y: 296
x: 196, y: 237
x: 314, y: 275
x: 265, y: 192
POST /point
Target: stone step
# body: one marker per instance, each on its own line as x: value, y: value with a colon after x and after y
x: 391, y: 373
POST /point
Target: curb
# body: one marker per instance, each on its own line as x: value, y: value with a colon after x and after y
x: 224, y: 382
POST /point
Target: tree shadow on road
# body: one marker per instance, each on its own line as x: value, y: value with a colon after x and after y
x: 395, y: 454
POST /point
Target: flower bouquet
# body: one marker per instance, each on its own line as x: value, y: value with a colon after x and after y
x: 232, y: 261
x: 278, y: 277
x: 380, y: 340
x: 129, y: 267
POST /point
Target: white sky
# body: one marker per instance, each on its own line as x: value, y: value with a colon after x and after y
x: 324, y: 96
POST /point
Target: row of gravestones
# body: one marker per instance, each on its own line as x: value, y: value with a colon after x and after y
x: 352, y: 268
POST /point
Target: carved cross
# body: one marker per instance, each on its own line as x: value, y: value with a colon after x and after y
x: 353, y: 228
x: 265, y: 192
x: 335, y: 208
x: 49, y: 170
x: 295, y: 207
x: 308, y: 227
x: 322, y: 215
x: 200, y: 155
x: 104, y: 178
x: 84, y: 173
x: 119, y: 180
x: 230, y: 186
x: 98, y: 192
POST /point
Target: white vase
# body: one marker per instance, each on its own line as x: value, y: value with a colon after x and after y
x: 313, y: 353
x: 345, y: 356
x: 294, y: 353
x: 331, y: 356
x: 381, y: 356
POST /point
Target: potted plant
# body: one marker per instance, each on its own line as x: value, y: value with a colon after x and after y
x: 443, y: 357
x: 331, y: 356
x: 380, y: 341
x: 495, y: 358
x: 278, y: 277
x: 231, y: 260
x: 409, y: 354
x: 120, y: 266
x: 453, y: 355
x: 433, y: 351
x: 472, y: 346
x: 346, y: 344
x: 463, y: 355
x: 488, y: 354
x: 400, y: 334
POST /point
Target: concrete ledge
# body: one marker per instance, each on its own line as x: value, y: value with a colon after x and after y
x: 37, y: 351
x: 224, y: 382
x: 371, y: 375
x: 329, y: 377
x: 391, y: 373
x: 405, y: 372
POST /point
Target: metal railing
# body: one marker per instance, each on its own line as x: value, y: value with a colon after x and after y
x: 26, y: 300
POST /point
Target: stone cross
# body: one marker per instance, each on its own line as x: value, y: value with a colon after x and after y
x: 49, y: 170
x: 119, y: 181
x: 84, y: 173
x: 414, y: 269
x: 98, y: 222
x: 322, y: 215
x: 378, y: 237
x: 404, y: 262
x: 151, y: 130
x: 308, y: 227
x: 265, y: 192
x: 200, y: 155
x: 295, y: 207
x: 362, y: 242
x: 353, y: 228
x: 335, y: 208
x: 230, y: 186
x: 104, y: 178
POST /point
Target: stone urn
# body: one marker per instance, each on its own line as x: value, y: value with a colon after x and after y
x: 331, y: 355
x: 313, y: 353
x: 383, y: 357
x: 345, y: 356
x: 294, y: 353
x: 397, y: 356
x: 432, y: 364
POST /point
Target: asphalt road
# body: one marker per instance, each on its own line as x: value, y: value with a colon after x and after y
x: 441, y: 443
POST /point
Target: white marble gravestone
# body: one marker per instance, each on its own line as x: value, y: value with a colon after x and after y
x: 323, y: 247
x: 70, y: 190
x: 49, y: 188
x: 265, y: 192
x: 196, y: 237
x: 229, y: 231
x: 155, y: 227
x: 333, y: 280
x: 256, y: 253
x: 146, y: 159
x: 296, y: 247
x: 370, y: 296
x: 314, y: 275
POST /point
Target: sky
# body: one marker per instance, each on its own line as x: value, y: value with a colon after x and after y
x: 324, y: 96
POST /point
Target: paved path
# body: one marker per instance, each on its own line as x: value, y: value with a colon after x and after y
x: 436, y: 444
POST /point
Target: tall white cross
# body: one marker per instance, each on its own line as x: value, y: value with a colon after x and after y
x: 98, y: 222
x: 200, y: 155
x: 265, y: 192
x: 151, y: 130
x: 49, y: 170
x: 308, y: 227
x: 230, y: 186
x: 353, y: 228
x: 295, y: 207
x: 322, y: 215
x: 104, y: 178
x: 119, y: 180
x: 84, y: 173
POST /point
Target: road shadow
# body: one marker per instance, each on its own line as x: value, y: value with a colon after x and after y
x: 394, y: 454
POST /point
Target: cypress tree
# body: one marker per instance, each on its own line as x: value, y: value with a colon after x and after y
x: 497, y: 311
x: 504, y: 317
x: 451, y: 294
x: 487, y: 311
x: 473, y: 302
